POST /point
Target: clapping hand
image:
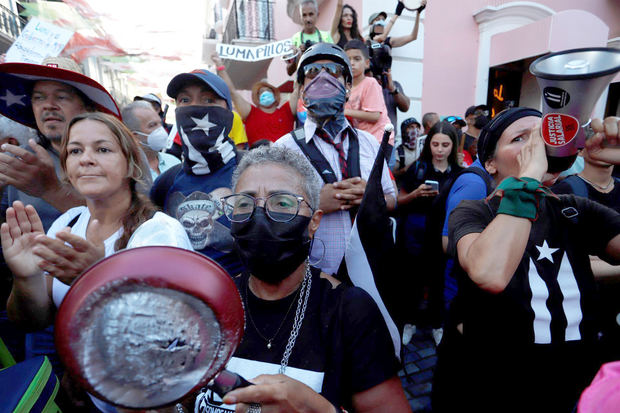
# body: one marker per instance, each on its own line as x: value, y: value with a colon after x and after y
x: 18, y: 235
x: 67, y: 262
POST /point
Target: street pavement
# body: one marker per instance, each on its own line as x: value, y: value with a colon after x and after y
x: 419, y: 360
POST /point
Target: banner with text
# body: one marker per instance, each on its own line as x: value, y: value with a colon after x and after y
x: 38, y: 40
x: 252, y: 54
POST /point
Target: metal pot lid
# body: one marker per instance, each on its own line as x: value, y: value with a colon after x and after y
x: 147, y: 326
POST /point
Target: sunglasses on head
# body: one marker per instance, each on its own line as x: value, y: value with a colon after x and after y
x: 311, y: 70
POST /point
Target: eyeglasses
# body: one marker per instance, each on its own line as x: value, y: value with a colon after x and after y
x: 279, y: 206
x: 311, y: 70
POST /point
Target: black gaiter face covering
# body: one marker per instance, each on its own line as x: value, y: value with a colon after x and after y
x: 204, y: 131
x: 271, y: 250
x: 324, y: 97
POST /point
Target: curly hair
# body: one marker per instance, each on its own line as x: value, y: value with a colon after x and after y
x: 141, y: 209
x: 287, y: 158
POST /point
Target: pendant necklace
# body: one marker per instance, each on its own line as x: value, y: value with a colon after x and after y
x: 267, y: 340
x: 300, y: 312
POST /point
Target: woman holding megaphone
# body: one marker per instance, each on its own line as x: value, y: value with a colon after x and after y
x: 527, y: 325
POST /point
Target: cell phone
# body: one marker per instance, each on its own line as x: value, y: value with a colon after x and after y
x: 434, y: 184
x: 227, y: 381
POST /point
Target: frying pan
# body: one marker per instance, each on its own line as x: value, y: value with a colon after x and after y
x: 146, y: 326
x: 412, y: 4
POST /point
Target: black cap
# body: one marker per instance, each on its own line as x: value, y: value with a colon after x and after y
x: 490, y: 134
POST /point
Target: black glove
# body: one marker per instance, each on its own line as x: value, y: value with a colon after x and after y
x: 422, y: 7
x: 399, y: 8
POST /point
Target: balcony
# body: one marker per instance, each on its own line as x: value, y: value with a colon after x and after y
x: 10, y: 27
x: 250, y: 23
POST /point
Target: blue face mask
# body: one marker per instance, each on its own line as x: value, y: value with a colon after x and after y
x: 266, y: 98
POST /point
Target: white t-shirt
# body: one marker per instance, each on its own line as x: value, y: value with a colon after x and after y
x: 159, y: 230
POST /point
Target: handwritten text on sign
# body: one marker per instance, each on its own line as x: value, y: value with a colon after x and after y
x: 38, y: 40
x: 252, y: 54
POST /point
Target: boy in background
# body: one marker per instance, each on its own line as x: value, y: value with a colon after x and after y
x: 365, y: 108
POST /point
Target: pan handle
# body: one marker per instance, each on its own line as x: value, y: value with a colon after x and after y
x: 227, y: 381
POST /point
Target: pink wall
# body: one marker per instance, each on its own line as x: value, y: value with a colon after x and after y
x: 553, y: 33
x: 451, y: 47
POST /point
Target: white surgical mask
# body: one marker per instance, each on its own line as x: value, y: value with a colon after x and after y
x: 157, y: 139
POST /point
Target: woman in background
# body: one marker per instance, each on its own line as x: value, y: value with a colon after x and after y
x: 438, y: 163
x: 344, y: 25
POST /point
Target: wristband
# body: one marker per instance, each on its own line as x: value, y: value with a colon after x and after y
x: 399, y: 8
x: 520, y: 197
x: 220, y: 68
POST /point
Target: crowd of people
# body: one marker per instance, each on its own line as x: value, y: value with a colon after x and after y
x: 514, y: 268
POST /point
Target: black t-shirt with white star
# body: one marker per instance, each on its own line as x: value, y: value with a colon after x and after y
x: 532, y: 347
x: 551, y: 297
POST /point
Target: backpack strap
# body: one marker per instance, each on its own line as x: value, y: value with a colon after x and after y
x: 420, y: 170
x: 401, y: 156
x: 321, y: 164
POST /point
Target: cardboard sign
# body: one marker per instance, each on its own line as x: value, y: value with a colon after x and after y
x: 558, y: 129
x: 252, y: 54
x: 38, y: 40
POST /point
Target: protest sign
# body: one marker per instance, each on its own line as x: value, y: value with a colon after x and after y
x: 252, y: 54
x: 38, y: 40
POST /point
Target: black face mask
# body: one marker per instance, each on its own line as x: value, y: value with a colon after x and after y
x: 480, y: 121
x: 271, y: 250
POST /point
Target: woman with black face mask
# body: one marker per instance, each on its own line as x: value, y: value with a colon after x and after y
x: 310, y: 343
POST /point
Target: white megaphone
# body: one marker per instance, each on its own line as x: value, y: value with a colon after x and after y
x: 571, y: 82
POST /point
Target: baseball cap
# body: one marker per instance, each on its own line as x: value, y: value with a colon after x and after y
x: 213, y: 82
x: 455, y: 119
x: 375, y: 15
x: 151, y: 97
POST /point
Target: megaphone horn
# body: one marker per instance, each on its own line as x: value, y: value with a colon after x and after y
x: 571, y: 81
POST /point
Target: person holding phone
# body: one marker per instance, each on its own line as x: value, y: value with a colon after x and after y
x: 420, y: 184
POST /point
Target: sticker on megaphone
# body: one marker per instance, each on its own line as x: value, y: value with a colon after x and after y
x: 559, y: 129
x: 555, y: 97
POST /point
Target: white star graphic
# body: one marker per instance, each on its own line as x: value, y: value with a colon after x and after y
x: 546, y: 251
x: 10, y: 99
x: 203, y: 124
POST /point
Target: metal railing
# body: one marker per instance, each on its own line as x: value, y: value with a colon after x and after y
x: 11, y: 24
x: 250, y: 20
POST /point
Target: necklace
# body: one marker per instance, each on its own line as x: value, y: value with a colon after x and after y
x: 601, y: 188
x: 267, y: 340
x: 302, y: 304
x: 299, y: 317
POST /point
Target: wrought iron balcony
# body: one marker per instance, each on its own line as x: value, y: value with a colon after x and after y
x: 250, y: 21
